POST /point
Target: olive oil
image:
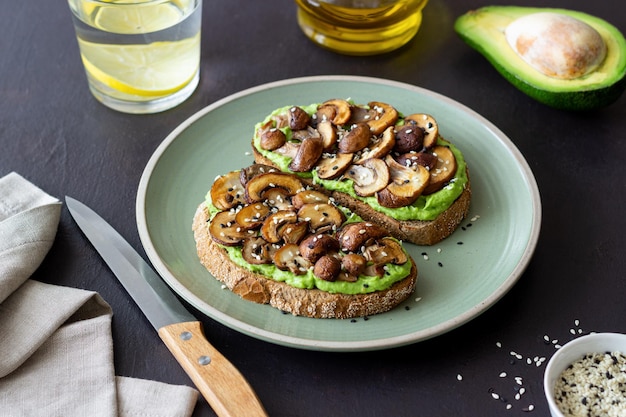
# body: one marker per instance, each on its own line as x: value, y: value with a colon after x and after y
x: 360, y: 27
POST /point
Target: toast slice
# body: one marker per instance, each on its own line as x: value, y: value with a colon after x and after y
x: 339, y: 266
x: 396, y: 171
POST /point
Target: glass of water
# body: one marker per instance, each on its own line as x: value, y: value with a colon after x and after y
x: 140, y: 56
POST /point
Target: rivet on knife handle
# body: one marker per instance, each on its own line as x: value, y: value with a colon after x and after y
x: 226, y: 390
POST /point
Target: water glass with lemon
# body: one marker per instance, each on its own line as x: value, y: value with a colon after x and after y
x: 140, y: 56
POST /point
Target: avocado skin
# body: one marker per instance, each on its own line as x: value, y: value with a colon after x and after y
x: 579, y: 97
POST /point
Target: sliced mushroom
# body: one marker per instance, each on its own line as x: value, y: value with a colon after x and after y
x: 298, y: 118
x: 385, y: 251
x: 327, y: 268
x: 227, y: 191
x: 380, y: 147
x: 356, y: 139
x: 252, y: 215
x: 293, y: 232
x: 272, y: 139
x: 405, y: 186
x: 309, y: 152
x: 329, y: 135
x: 259, y: 184
x: 273, y: 222
x: 336, y: 111
x: 256, y: 251
x: 409, y: 138
x: 289, y: 149
x: 307, y: 197
x: 353, y: 237
x: 249, y: 172
x: 429, y: 127
x: 307, y: 132
x: 314, y: 246
x: 369, y: 177
x: 444, y: 170
x: 321, y: 217
x: 278, y: 199
x: 224, y: 229
x: 288, y: 258
x: 385, y: 116
x: 333, y: 165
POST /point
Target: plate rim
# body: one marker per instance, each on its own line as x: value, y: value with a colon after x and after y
x: 328, y: 345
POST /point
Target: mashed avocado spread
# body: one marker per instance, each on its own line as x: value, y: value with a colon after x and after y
x: 364, y: 284
x: 426, y: 207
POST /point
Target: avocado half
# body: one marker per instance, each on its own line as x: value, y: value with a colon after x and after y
x: 483, y: 29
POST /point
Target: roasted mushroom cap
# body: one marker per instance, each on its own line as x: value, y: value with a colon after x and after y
x: 288, y: 258
x: 405, y: 186
x: 379, y: 147
x: 327, y: 268
x: 444, y: 170
x: 353, y: 237
x: 354, y: 264
x: 409, y: 138
x: 412, y: 159
x: 273, y: 222
x: 385, y: 251
x: 321, y: 217
x: 259, y: 184
x: 308, y: 153
x: 385, y: 116
x: 298, y: 118
x: 370, y: 176
x: 314, y: 246
x: 227, y: 191
x: 428, y: 125
x: 272, y: 139
x: 331, y: 165
x: 225, y: 230
x: 336, y: 111
x: 356, y: 139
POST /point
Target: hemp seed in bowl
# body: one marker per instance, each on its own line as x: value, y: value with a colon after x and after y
x: 587, y: 377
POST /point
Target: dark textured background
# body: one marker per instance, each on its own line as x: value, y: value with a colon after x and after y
x: 56, y: 135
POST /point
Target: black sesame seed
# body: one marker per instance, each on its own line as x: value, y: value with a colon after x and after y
x: 459, y: 243
x: 353, y: 321
x: 407, y: 308
x: 440, y: 264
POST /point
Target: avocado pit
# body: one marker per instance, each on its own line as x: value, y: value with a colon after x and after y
x: 557, y: 45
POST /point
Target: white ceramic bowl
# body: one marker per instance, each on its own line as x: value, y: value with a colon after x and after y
x: 571, y: 352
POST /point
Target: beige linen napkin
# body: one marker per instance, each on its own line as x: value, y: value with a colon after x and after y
x: 56, y: 349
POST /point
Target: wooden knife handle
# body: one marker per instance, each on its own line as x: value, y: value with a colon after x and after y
x: 223, y: 386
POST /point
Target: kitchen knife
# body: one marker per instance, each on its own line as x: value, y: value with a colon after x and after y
x: 223, y: 386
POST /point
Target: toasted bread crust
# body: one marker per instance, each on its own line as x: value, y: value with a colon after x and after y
x: 303, y: 302
x: 416, y: 231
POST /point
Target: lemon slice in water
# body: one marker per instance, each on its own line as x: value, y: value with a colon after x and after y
x: 141, y: 69
x: 156, y: 69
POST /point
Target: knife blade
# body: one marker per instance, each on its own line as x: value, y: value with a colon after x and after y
x: 219, y: 381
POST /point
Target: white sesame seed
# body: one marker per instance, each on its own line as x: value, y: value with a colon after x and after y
x: 459, y: 377
x: 495, y: 396
x: 498, y: 344
x: 502, y: 375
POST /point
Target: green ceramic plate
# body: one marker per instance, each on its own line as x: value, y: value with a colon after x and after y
x: 458, y: 278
